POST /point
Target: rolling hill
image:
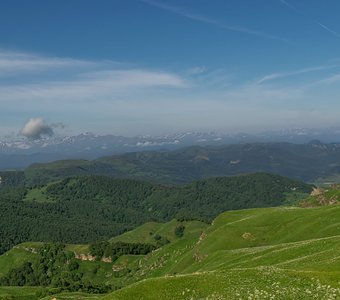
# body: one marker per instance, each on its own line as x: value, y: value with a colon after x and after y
x: 308, y: 162
x: 265, y: 253
x: 280, y: 253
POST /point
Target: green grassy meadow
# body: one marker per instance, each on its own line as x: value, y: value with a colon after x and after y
x: 272, y: 253
x: 267, y: 253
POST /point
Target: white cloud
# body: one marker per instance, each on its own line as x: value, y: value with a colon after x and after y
x: 36, y: 128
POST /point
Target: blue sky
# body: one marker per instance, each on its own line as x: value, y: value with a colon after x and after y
x: 161, y: 66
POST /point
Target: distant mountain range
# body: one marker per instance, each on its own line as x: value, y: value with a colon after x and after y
x: 18, y: 153
x: 312, y: 162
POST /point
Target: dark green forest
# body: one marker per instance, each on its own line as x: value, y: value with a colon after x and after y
x: 114, y: 250
x: 86, y: 209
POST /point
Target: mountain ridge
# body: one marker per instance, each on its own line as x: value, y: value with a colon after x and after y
x: 308, y: 162
x: 19, y: 152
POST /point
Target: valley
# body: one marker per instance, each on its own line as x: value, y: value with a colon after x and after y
x: 91, y: 236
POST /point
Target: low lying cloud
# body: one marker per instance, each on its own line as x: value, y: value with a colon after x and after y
x: 37, y: 128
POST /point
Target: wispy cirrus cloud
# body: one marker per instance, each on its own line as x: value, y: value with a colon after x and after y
x: 292, y: 7
x: 280, y: 75
x: 134, y: 99
x: 97, y: 84
x: 315, y: 21
x: 13, y: 61
x: 204, y: 19
x: 337, y: 34
x: 135, y: 78
x: 85, y: 79
x: 329, y: 80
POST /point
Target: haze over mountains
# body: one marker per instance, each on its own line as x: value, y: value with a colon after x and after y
x: 313, y: 162
x: 18, y: 153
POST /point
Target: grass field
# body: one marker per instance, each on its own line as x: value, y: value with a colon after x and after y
x: 37, y: 195
x: 147, y: 232
x: 262, y: 283
x: 274, y: 253
x: 271, y: 253
x: 19, y: 293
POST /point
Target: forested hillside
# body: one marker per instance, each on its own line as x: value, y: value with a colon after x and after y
x: 308, y: 162
x: 90, y: 208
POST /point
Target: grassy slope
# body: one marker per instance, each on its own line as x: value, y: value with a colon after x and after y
x: 271, y: 253
x: 270, y: 226
x: 73, y: 296
x: 38, y: 195
x: 266, y: 283
x: 146, y: 232
x: 19, y: 293
x: 97, y: 271
x: 281, y: 252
